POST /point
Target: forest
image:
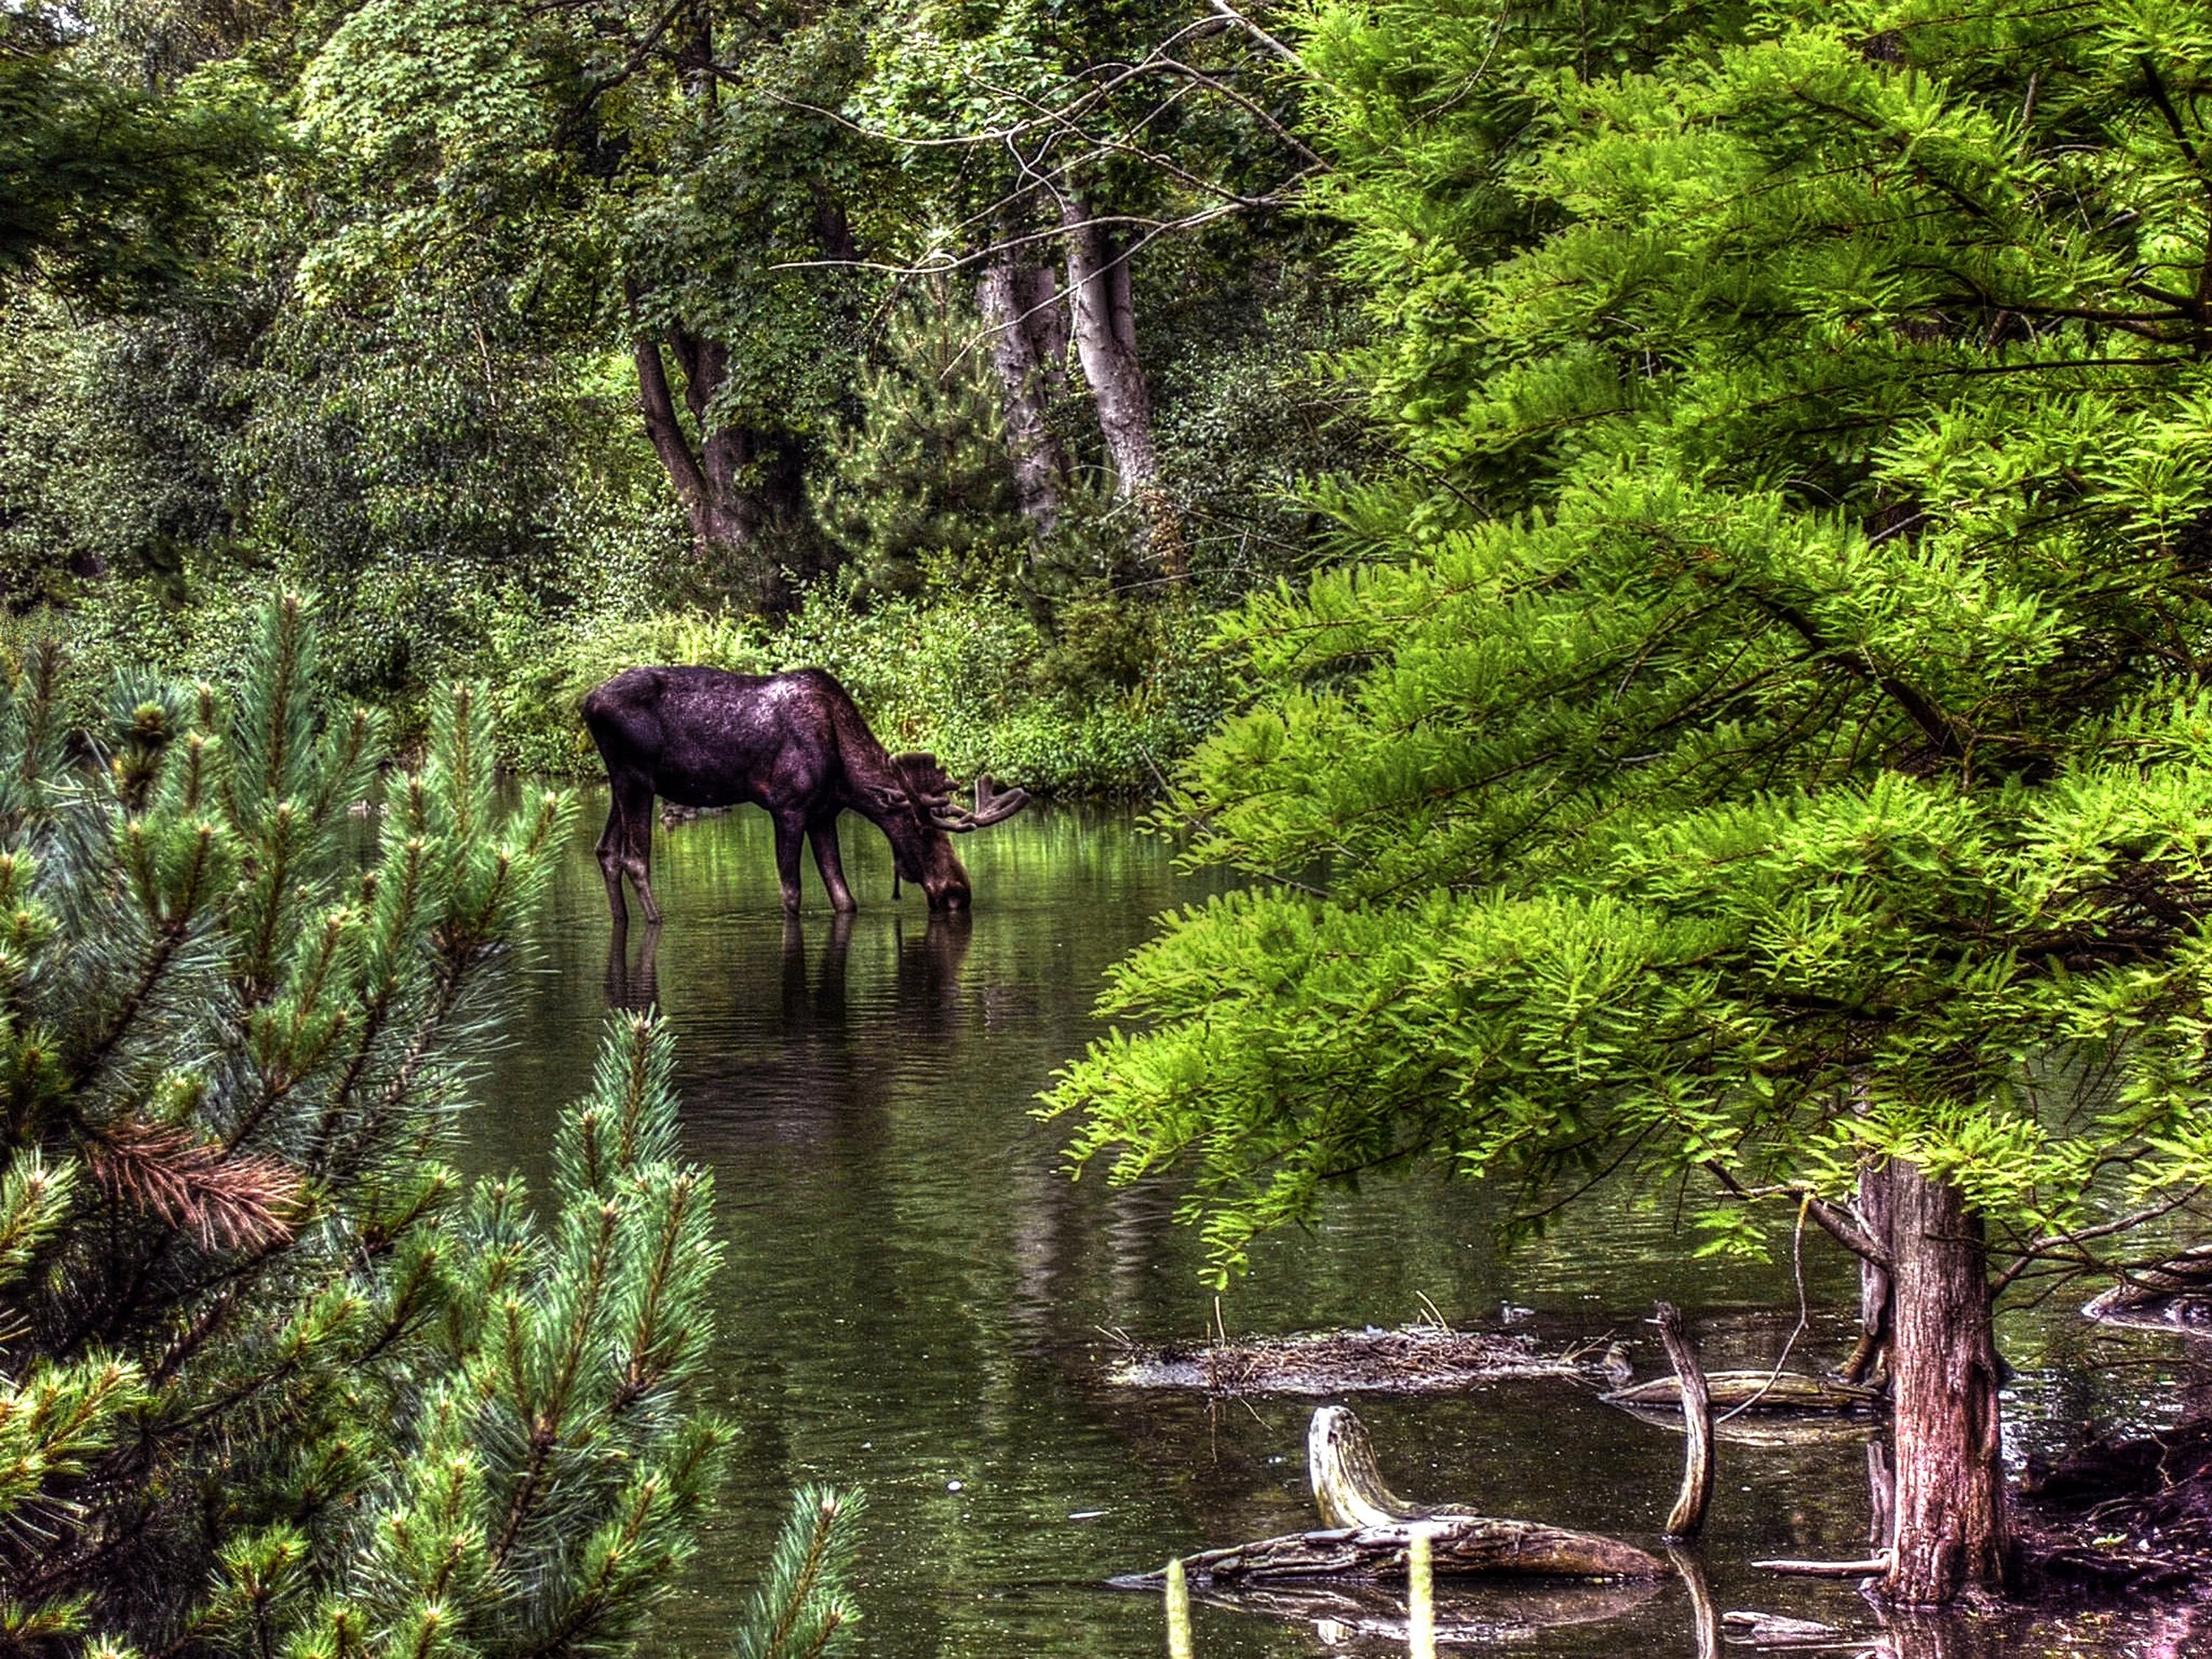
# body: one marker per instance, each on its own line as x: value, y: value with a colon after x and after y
x: 1651, y: 562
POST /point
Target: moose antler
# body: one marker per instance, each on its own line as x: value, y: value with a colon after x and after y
x: 993, y: 805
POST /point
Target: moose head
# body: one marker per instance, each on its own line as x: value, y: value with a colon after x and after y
x: 921, y: 818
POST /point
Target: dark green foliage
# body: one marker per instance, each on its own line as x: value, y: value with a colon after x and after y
x: 1764, y: 729
x: 405, y: 375
x: 105, y: 193
x: 274, y: 1377
x: 804, y: 1609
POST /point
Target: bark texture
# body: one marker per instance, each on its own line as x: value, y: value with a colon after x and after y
x: 1103, y: 313
x: 1874, y: 1278
x: 1687, y: 1518
x: 734, y: 484
x: 1948, y: 1520
x: 1022, y: 307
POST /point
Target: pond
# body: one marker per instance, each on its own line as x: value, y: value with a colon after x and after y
x: 918, y: 1301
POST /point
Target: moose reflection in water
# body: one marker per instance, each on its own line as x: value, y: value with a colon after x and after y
x: 793, y: 744
x: 927, y: 979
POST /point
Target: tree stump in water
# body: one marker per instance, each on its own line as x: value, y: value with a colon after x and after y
x: 1366, y: 1531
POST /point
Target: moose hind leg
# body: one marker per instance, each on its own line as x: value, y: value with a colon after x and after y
x: 822, y: 835
x: 636, y: 803
x: 613, y: 850
x: 788, y: 834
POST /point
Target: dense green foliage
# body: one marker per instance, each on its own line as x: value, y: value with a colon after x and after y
x: 1764, y: 727
x: 508, y: 330
x: 274, y: 1377
x: 105, y: 193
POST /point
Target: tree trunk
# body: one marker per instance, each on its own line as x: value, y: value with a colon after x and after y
x: 1949, y: 1529
x: 1021, y: 307
x: 1103, y: 315
x: 732, y: 484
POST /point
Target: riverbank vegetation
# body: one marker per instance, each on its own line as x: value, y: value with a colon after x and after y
x: 528, y: 337
x: 277, y: 1379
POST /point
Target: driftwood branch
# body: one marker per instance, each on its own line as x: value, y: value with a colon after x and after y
x: 1687, y: 1517
x: 1874, y: 1566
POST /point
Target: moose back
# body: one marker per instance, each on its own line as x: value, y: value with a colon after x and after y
x: 793, y: 744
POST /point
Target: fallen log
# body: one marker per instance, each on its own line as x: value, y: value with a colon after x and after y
x: 1465, y: 1546
x: 1782, y: 1391
x: 1769, y: 1430
x: 2176, y: 1295
x: 1367, y: 1529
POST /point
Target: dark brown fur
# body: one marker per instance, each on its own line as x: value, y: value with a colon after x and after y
x: 793, y: 744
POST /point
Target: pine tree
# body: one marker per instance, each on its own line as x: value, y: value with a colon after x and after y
x: 922, y: 486
x: 273, y: 1378
x: 1760, y: 744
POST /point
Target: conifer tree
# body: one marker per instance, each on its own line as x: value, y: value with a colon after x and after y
x: 1760, y: 743
x: 273, y: 1378
x: 921, y: 484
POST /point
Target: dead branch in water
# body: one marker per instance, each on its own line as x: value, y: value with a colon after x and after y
x: 1687, y: 1517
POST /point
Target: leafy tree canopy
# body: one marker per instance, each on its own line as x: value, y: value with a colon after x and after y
x: 105, y: 192
x: 1764, y: 727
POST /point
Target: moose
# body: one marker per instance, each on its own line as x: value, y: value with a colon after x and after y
x: 793, y: 743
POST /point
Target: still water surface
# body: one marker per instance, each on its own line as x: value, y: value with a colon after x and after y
x: 918, y: 1300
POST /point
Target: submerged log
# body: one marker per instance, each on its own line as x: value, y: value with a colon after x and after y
x: 2174, y: 1296
x: 1369, y: 1528
x: 1469, y: 1613
x: 1786, y: 1391
x: 1770, y: 1431
x: 1410, y: 1359
x: 1464, y: 1545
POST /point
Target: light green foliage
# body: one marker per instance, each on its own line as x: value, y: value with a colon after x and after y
x: 1102, y: 708
x: 1777, y: 679
x: 273, y: 1377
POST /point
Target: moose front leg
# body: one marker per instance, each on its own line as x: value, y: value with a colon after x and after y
x: 788, y: 832
x: 822, y: 833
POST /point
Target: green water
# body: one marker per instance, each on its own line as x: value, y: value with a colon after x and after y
x: 918, y: 1301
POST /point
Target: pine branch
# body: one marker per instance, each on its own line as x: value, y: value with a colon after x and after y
x: 804, y: 1608
x: 235, y: 1202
